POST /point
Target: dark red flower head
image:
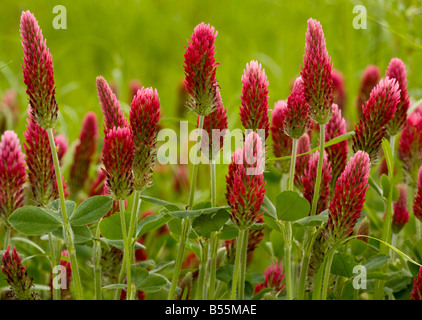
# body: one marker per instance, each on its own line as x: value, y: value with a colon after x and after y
x: 12, y: 174
x: 282, y: 144
x: 200, y: 68
x: 118, y: 151
x: 370, y: 78
x: 254, y: 98
x: 38, y: 73
x: 417, y: 202
x: 416, y: 293
x: 316, y: 74
x: 376, y: 115
x: 397, y: 70
x: 274, y: 277
x: 400, y: 212
x: 339, y: 89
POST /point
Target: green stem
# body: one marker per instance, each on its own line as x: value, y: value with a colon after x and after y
x: 180, y: 253
x: 319, y: 170
x: 309, y: 239
x: 132, y: 225
x: 118, y: 292
x: 237, y: 262
x: 54, y: 262
x: 214, y: 240
x: 213, y: 184
x: 327, y: 272
x: 68, y: 233
x: 195, y: 165
x: 97, y: 265
x: 7, y: 238
x: 200, y: 292
x: 243, y: 258
x: 126, y: 255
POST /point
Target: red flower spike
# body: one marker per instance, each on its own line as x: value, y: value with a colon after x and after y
x: 113, y: 113
x: 245, y: 183
x: 363, y: 229
x: 282, y: 144
x: 12, y: 175
x: 316, y: 74
x: 118, y: 157
x: 337, y: 154
x: 296, y: 116
x: 254, y: 98
x: 38, y: 72
x: 410, y: 147
x: 134, y: 86
x: 376, y: 115
x: 400, y: 212
x: 349, y: 196
x: 274, y: 277
x: 397, y: 70
x: 416, y: 293
x: 97, y: 186
x: 309, y: 178
x: 17, y: 276
x: 144, y: 116
x: 417, y: 202
x: 303, y: 145
x: 339, y: 91
x: 62, y: 145
x: 200, y: 68
x: 9, y: 108
x: 217, y: 120
x: 84, y: 152
x: 370, y: 78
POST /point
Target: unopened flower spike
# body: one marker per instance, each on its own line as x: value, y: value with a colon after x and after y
x: 370, y: 78
x: 303, y: 146
x: 417, y: 202
x: 274, y: 277
x: 339, y: 89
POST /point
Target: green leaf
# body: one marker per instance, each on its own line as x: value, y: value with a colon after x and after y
x: 311, y: 221
x: 388, y: 154
x: 343, y: 265
x: 153, y: 222
x: 175, y: 226
x: 153, y: 283
x: 386, y: 185
x: 115, y: 286
x: 81, y: 234
x: 195, y: 213
x: 168, y: 205
x: 91, y: 210
x: 31, y: 243
x: 33, y: 221
x: 111, y: 227
x: 119, y: 244
x: 417, y: 249
x: 375, y: 186
x: 376, y: 262
x: 269, y: 207
x: 229, y: 231
x: 225, y: 273
x: 54, y: 208
x: 358, y: 247
x: 291, y: 206
x: 207, y: 223
x: 139, y: 274
x: 272, y: 223
x: 398, y: 283
x: 277, y: 242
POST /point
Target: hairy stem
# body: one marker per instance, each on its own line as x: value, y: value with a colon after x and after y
x: 237, y: 262
x: 319, y: 170
x: 243, y: 258
x: 54, y: 262
x: 126, y: 255
x: 97, y: 264
x: 214, y: 240
x: 200, y: 292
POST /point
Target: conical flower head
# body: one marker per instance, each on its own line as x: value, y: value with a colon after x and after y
x: 309, y: 178
x: 84, y: 152
x: 12, y: 174
x: 337, y: 153
x: 303, y: 146
x: 118, y: 151
x: 17, y: 276
x: 339, y: 89
x: 370, y: 78
x: 349, y: 195
x: 113, y: 113
x: 254, y: 98
x: 215, y: 125
x: 38, y: 72
x: 200, y: 68
x: 417, y: 202
x: 400, y: 212
x: 397, y: 70
x: 144, y: 116
x: 410, y: 147
x: 245, y: 185
x: 376, y: 115
x: 316, y: 74
x: 282, y: 143
x: 274, y: 277
x: 416, y: 293
x: 296, y: 120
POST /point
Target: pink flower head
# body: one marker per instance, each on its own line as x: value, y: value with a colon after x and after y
x: 274, y: 277
x: 339, y: 90
x: 416, y: 293
x: 282, y: 144
x: 296, y: 120
x: 337, y: 154
x: 254, y: 98
x: 400, y: 212
x: 245, y: 183
x: 113, y: 113
x: 370, y: 78
x: 62, y: 145
x: 118, y: 149
x: 38, y: 72
x: 309, y: 178
x: 417, y: 202
x: 84, y: 152
x: 316, y: 74
x: 215, y: 125
x: 349, y: 196
x: 12, y: 174
x: 410, y: 147
x: 144, y: 116
x: 200, y: 68
x: 17, y: 276
x: 376, y: 115
x: 303, y: 145
x: 397, y: 70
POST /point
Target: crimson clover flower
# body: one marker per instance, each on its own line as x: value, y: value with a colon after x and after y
x: 370, y: 78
